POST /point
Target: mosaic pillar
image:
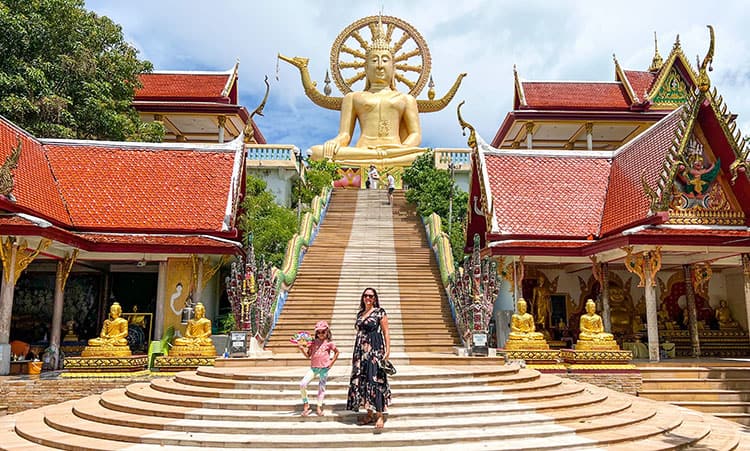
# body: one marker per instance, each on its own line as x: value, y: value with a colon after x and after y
x: 651, y: 265
x: 692, y: 313
x: 746, y: 273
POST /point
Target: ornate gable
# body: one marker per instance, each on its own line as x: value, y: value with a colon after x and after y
x: 694, y: 187
x: 674, y: 80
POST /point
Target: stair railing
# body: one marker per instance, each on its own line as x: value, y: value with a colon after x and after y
x: 258, y: 293
x: 472, y: 289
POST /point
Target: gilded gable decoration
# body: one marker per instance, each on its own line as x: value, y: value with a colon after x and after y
x: 673, y: 91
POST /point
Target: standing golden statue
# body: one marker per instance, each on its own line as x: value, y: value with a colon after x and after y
x: 197, y: 339
x: 113, y: 339
x: 592, y: 335
x: 390, y: 132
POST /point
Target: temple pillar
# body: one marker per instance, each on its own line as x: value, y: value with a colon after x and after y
x: 652, y: 322
x: 529, y: 135
x: 746, y: 274
x: 590, y: 135
x: 222, y: 126
x: 6, y: 304
x: 692, y: 312
x: 61, y: 277
x: 197, y: 296
x: 161, y: 290
x: 606, y: 314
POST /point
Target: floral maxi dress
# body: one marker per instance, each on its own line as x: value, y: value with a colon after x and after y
x: 368, y: 387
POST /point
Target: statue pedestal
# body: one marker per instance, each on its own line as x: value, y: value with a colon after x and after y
x: 517, y: 345
x: 596, y: 356
x: 587, y: 345
x: 534, y: 352
x: 182, y: 362
x: 101, y: 364
x: 193, y: 351
x: 106, y: 351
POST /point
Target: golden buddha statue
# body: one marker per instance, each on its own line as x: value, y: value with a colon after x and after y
x: 664, y: 319
x: 112, y: 341
x: 390, y: 132
x: 197, y: 339
x: 523, y: 333
x: 724, y: 317
x: 592, y: 335
x: 541, y: 300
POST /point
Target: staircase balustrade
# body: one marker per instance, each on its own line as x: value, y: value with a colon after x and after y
x: 472, y: 289
x: 258, y: 293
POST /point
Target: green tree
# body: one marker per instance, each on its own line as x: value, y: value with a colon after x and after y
x: 318, y: 175
x: 271, y: 225
x: 66, y: 72
x: 429, y: 189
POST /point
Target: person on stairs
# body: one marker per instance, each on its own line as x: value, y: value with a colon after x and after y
x: 368, y: 386
x: 319, y: 352
x: 373, y: 177
x: 391, y: 187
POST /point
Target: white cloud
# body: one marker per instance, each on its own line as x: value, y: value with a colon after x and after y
x: 547, y: 40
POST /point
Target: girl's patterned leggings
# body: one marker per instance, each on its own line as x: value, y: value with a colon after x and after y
x: 322, y: 374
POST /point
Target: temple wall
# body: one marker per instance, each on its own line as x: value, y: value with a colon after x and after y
x: 279, y: 182
x: 735, y: 294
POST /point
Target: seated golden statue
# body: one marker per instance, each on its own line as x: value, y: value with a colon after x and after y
x: 523, y: 333
x: 197, y: 339
x: 592, y: 335
x: 724, y: 317
x: 390, y: 132
x: 664, y: 319
x: 112, y: 341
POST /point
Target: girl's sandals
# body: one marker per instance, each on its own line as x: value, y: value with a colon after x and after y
x: 320, y: 412
x: 365, y: 420
x: 379, y: 424
x: 306, y: 412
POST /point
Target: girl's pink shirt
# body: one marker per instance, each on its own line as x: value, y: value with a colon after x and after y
x: 320, y: 353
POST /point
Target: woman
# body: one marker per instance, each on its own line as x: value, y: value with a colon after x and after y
x: 368, y: 387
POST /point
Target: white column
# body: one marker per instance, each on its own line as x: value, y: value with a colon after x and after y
x: 222, y: 124
x: 590, y: 135
x: 6, y: 309
x: 529, y: 135
x: 57, y: 308
x: 652, y: 321
x: 161, y: 289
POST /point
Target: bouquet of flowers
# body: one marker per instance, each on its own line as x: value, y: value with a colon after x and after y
x: 302, y: 337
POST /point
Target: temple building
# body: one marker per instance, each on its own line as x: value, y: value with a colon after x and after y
x: 633, y: 193
x: 147, y: 225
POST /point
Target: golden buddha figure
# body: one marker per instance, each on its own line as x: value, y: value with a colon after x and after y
x: 112, y: 340
x: 592, y: 335
x: 724, y: 317
x: 664, y: 319
x: 197, y: 339
x: 523, y: 333
x: 390, y: 132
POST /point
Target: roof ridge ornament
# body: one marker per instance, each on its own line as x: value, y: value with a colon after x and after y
x: 704, y: 83
x: 657, y: 62
x: 6, y: 174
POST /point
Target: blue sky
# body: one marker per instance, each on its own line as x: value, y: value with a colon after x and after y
x: 547, y: 40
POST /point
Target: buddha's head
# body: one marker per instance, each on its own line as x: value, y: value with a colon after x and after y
x: 200, y: 310
x: 590, y: 307
x: 379, y: 67
x: 522, y: 306
x: 115, y: 311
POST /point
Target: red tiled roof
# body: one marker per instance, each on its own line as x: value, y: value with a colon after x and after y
x: 640, y: 81
x: 131, y: 240
x: 142, y: 188
x: 182, y: 86
x: 35, y: 187
x: 626, y: 200
x: 548, y: 196
x: 575, y: 96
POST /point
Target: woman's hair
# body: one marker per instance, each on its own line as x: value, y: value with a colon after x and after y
x: 376, y: 304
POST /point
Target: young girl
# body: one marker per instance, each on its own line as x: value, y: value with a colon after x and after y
x: 319, y: 353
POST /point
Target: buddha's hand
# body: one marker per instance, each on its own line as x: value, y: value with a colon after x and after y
x: 330, y: 148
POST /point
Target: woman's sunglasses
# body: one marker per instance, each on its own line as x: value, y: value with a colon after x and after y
x: 368, y: 295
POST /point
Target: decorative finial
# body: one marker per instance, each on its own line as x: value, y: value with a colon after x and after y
x: 657, y: 62
x: 327, y: 87
x: 6, y: 175
x: 472, y: 141
x: 249, y: 131
x: 704, y: 83
x: 677, y: 41
x: 431, y: 91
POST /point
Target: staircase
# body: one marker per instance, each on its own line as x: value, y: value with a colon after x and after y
x: 364, y: 242
x: 434, y: 408
x: 722, y: 391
